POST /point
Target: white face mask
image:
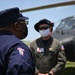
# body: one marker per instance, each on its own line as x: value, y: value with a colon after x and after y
x: 44, y: 33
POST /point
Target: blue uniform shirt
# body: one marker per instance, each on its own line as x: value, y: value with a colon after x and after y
x: 15, y: 56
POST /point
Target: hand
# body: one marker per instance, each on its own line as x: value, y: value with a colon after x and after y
x: 42, y: 74
x: 52, y: 73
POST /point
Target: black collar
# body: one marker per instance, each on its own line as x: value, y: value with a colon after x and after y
x: 47, y: 41
x: 5, y: 32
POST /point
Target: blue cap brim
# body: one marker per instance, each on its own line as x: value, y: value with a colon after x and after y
x: 21, y: 17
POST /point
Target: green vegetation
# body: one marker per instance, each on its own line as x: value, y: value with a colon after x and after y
x: 70, y: 64
x: 69, y: 68
x: 26, y: 42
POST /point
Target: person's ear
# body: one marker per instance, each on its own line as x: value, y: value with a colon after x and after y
x: 16, y: 26
x: 51, y: 29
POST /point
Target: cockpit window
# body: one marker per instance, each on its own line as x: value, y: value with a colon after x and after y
x: 66, y: 24
x: 69, y: 24
x: 61, y: 25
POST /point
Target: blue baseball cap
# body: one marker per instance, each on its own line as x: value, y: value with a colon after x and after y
x: 11, y: 15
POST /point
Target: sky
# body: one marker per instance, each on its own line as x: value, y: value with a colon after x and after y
x: 52, y: 14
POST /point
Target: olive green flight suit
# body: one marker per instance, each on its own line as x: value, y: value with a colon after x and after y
x: 48, y: 56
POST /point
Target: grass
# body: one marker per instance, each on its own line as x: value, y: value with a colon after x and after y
x: 70, y: 64
x: 69, y: 68
x: 26, y: 42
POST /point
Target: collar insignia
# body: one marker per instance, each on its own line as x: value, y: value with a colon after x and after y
x: 51, y: 49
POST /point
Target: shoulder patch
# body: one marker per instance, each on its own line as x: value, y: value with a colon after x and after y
x: 21, y: 51
x: 51, y: 49
x: 62, y: 47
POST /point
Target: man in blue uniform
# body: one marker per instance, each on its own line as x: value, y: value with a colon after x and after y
x: 48, y: 52
x: 15, y: 56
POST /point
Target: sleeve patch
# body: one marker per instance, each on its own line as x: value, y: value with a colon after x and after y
x: 21, y: 51
x: 62, y: 47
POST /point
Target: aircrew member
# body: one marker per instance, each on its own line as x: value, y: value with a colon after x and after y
x: 48, y: 52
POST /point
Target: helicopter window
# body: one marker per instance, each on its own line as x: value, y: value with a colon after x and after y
x: 61, y: 25
x: 74, y: 28
x: 66, y: 24
x: 70, y: 24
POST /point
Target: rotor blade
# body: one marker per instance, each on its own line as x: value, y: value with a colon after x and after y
x: 49, y: 6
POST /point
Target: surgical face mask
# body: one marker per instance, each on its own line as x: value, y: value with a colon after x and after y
x: 44, y: 33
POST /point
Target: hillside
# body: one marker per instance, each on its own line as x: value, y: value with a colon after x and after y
x: 26, y: 42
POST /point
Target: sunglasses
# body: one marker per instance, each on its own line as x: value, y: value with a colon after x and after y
x: 23, y: 22
x: 44, y: 27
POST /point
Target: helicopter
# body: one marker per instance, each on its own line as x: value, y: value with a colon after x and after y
x: 65, y: 31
